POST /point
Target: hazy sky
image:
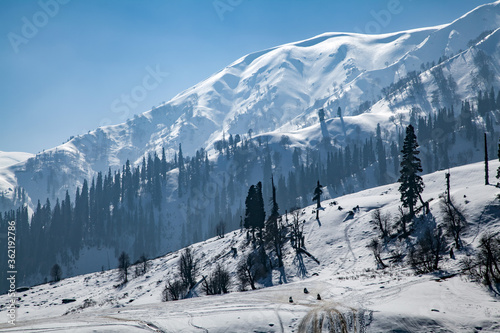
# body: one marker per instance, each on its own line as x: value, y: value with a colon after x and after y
x: 68, y: 66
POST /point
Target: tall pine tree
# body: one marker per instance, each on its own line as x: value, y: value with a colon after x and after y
x: 260, y: 215
x: 273, y: 227
x: 486, y: 168
x: 255, y: 214
x: 498, y: 154
x: 382, y: 164
x: 317, y: 197
x: 182, y: 173
x: 411, y: 183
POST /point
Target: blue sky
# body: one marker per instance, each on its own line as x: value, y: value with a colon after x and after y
x: 67, y: 66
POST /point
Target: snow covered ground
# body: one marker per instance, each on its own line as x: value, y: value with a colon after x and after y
x: 8, y: 180
x: 368, y: 299
x: 8, y: 159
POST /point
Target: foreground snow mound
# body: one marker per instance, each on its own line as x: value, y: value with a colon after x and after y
x: 345, y: 291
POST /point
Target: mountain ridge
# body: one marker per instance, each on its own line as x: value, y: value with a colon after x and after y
x: 340, y: 268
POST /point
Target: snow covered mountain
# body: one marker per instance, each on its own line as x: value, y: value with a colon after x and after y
x: 281, y: 89
x: 7, y: 176
x: 339, y: 267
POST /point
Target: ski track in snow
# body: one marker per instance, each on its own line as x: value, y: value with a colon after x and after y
x: 193, y: 325
x: 152, y: 327
x: 276, y: 310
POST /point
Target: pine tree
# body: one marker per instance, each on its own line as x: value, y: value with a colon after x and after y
x: 382, y: 164
x: 486, y: 168
x: 466, y: 119
x: 317, y: 194
x: 395, y: 156
x: 249, y: 206
x: 317, y: 197
x: 321, y: 115
x: 164, y: 166
x: 260, y: 215
x: 56, y: 273
x: 411, y: 183
x: 182, y: 176
x: 448, y: 197
x: 498, y: 169
x: 273, y: 228
x: 254, y: 209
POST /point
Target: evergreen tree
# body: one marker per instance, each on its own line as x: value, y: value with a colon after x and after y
x: 382, y: 165
x: 182, y: 171
x: 164, y: 166
x: 498, y: 169
x: 273, y: 228
x: 486, y: 168
x: 248, y: 207
x: 260, y: 215
x: 317, y: 194
x: 317, y: 197
x: 411, y: 183
x: 143, y: 170
x: 56, y: 273
x: 466, y: 119
x: 254, y: 209
x: 395, y: 156
x: 321, y: 115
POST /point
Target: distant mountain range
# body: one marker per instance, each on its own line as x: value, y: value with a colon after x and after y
x: 281, y: 89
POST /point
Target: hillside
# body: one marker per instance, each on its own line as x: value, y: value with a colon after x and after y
x: 126, y: 187
x: 7, y: 176
x: 344, y: 273
x: 281, y: 89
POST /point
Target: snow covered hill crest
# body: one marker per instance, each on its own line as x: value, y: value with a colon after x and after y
x: 338, y: 271
x: 281, y: 89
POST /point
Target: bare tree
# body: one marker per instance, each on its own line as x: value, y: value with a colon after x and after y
x: 246, y: 272
x: 220, y: 229
x: 218, y: 282
x: 425, y: 256
x: 297, y: 231
x: 485, y: 267
x: 376, y: 248
x: 402, y: 220
x: 454, y: 221
x: 382, y: 222
x: 188, y: 268
x: 141, y: 266
x: 173, y: 291
x: 56, y: 273
x: 123, y: 265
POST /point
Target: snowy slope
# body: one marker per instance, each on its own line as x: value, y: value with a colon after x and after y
x: 279, y: 89
x: 7, y: 160
x: 394, y: 299
x: 7, y: 177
